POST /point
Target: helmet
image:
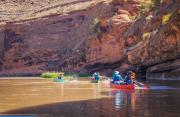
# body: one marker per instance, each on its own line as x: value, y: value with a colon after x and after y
x: 116, y: 72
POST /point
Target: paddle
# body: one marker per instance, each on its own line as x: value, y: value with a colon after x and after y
x: 140, y: 84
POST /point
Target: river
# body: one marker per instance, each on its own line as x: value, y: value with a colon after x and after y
x: 45, y: 98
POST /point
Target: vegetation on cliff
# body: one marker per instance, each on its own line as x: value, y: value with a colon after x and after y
x: 157, y: 40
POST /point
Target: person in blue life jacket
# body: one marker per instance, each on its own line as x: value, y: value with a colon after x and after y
x: 60, y: 77
x: 96, y: 76
x: 127, y: 79
x: 117, y: 78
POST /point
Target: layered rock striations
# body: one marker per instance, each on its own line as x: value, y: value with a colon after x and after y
x: 157, y: 41
x: 49, y: 38
x: 109, y: 44
x: 151, y: 43
x: 90, y: 35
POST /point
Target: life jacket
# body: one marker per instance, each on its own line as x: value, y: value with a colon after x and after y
x: 97, y: 77
x: 133, y: 76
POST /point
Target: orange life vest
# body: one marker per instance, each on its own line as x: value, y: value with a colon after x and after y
x: 133, y: 76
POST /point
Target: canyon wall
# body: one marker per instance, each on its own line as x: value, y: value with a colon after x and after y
x: 1, y: 47
x: 150, y: 44
x: 109, y: 45
x: 90, y: 35
x: 52, y: 42
x: 156, y: 44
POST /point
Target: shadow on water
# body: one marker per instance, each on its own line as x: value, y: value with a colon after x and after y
x: 163, y: 88
x: 117, y: 104
x: 120, y: 103
x: 163, y: 85
x: 84, y: 99
x: 88, y: 108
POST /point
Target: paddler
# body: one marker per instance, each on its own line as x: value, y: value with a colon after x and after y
x: 127, y: 79
x: 117, y: 79
x: 96, y: 76
x: 61, y: 75
x: 133, y: 77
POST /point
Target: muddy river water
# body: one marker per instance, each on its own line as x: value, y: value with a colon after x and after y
x: 42, y: 97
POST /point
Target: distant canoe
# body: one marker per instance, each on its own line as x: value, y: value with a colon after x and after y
x: 122, y: 86
x: 59, y: 80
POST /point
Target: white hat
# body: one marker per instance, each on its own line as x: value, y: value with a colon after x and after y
x: 116, y: 72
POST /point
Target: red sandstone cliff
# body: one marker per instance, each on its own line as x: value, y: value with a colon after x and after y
x: 89, y: 35
x: 151, y: 43
x: 47, y: 35
x: 157, y: 41
x: 109, y: 45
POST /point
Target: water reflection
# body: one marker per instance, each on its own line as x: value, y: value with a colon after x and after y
x: 118, y: 99
x: 124, y: 98
x: 97, y: 89
x: 85, y: 99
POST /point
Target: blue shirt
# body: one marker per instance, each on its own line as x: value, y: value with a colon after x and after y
x: 127, y: 78
x: 96, y: 76
x: 117, y: 77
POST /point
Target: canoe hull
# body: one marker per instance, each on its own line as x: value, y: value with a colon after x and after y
x: 123, y: 86
x: 59, y: 80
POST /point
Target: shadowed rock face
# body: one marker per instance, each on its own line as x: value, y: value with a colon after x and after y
x: 157, y: 36
x: 1, y: 48
x: 169, y: 70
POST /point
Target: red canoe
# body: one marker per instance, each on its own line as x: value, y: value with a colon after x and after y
x: 122, y: 86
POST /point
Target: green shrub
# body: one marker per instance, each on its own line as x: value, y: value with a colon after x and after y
x: 77, y: 74
x: 146, y: 35
x: 166, y: 18
x: 70, y: 75
x: 84, y: 75
x: 67, y: 75
x: 50, y: 75
x: 147, y: 5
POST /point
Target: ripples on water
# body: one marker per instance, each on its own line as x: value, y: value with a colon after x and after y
x: 85, y: 99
